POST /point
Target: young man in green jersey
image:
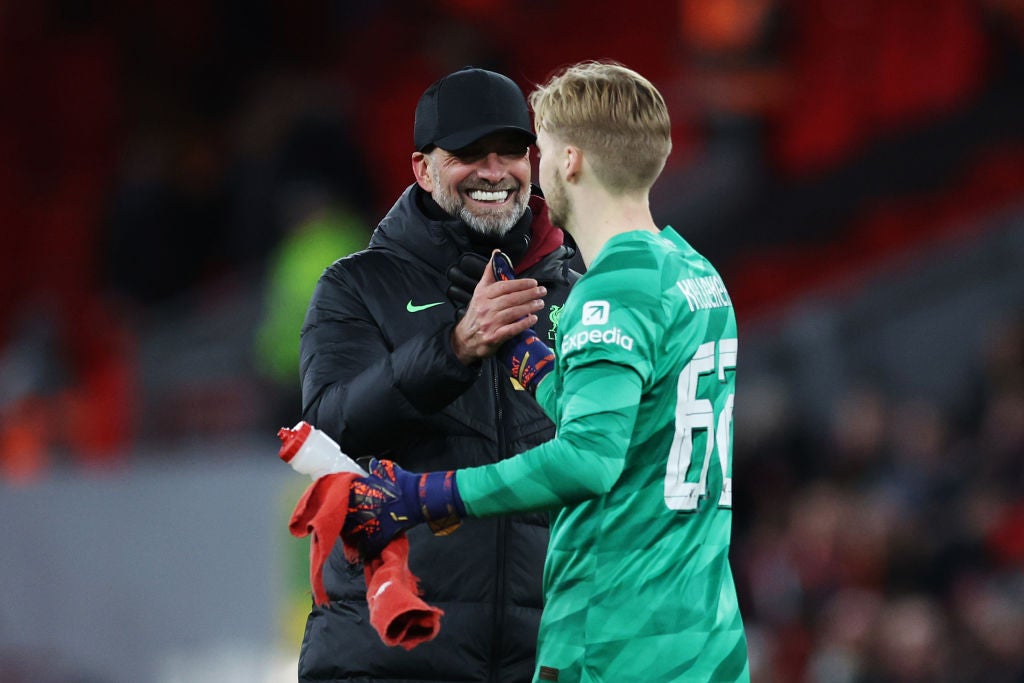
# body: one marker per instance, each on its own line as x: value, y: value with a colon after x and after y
x: 638, y: 479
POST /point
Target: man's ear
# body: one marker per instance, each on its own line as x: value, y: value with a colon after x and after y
x: 421, y: 171
x: 573, y: 163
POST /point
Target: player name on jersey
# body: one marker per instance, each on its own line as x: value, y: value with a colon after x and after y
x: 704, y: 292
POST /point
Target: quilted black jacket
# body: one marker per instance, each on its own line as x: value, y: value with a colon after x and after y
x: 379, y: 376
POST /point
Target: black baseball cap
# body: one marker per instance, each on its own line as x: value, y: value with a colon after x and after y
x: 466, y: 105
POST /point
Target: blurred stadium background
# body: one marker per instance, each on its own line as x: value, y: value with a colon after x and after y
x: 176, y: 175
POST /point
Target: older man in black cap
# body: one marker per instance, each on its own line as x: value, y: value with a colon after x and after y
x: 396, y: 360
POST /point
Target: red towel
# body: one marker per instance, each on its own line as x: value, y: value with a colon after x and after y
x: 392, y: 590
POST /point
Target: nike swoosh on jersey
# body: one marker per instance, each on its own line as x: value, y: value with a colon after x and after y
x: 413, y: 308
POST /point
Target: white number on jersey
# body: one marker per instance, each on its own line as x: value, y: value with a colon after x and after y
x: 693, y: 414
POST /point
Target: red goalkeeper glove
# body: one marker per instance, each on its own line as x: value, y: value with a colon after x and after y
x: 391, y: 500
x: 527, y: 358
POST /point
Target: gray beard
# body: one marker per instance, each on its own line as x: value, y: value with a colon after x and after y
x: 492, y: 224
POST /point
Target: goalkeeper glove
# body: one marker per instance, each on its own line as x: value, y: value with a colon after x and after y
x: 391, y: 500
x: 527, y: 358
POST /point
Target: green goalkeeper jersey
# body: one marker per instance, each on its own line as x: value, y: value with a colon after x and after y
x: 638, y: 585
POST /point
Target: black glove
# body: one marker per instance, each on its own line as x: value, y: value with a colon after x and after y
x: 463, y: 277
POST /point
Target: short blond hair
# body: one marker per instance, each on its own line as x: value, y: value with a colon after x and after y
x: 612, y: 113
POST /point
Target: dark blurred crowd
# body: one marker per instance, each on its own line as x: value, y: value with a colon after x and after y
x: 166, y: 155
x: 888, y: 545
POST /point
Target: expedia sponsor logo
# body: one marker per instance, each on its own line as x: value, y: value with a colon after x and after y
x: 580, y: 339
x: 596, y: 312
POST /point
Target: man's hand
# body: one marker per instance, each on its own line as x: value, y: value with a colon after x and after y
x: 497, y: 312
x: 391, y: 500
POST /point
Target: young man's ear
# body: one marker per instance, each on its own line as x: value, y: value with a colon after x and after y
x: 421, y: 171
x: 573, y: 163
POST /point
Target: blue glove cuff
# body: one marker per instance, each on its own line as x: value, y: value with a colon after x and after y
x: 527, y: 359
x: 440, y: 502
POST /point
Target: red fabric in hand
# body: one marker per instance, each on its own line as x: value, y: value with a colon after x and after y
x: 397, y: 612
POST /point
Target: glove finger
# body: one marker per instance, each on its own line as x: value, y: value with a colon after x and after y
x: 461, y: 279
x: 459, y: 295
x: 473, y: 264
x: 382, y: 469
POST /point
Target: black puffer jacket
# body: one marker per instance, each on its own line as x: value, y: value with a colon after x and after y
x: 379, y: 376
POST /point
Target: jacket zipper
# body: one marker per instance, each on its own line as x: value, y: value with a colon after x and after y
x: 499, y: 597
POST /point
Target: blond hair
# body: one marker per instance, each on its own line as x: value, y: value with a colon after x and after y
x: 615, y: 115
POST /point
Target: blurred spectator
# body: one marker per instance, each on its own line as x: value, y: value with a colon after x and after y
x: 990, y: 612
x: 292, y: 131
x: 167, y: 215
x: 909, y: 644
x: 321, y: 231
x: 735, y: 82
x: 843, y: 630
x: 68, y: 388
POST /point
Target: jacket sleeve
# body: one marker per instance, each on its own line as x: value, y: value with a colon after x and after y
x: 359, y: 389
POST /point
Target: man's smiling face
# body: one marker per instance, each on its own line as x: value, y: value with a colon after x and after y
x: 486, y: 184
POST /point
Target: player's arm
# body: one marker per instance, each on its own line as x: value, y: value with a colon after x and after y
x: 547, y: 399
x: 583, y: 461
